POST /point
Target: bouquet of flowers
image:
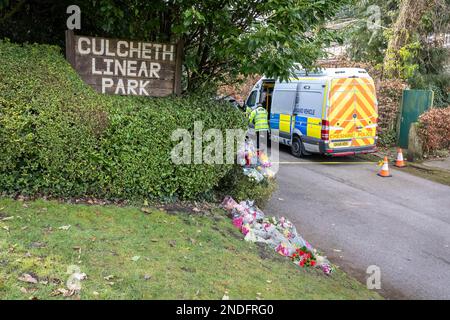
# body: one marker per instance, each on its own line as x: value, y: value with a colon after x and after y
x: 263, y: 159
x: 247, y: 154
x: 304, y: 257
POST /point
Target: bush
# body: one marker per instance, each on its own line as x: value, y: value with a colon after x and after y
x: 434, y: 129
x: 61, y: 138
x: 387, y: 138
x: 439, y: 83
x: 240, y: 187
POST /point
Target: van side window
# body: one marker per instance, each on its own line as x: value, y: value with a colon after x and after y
x: 309, y: 104
x: 283, y: 101
x: 251, y: 100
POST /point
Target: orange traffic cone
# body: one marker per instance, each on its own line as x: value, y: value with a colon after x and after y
x: 400, y: 162
x: 384, y: 172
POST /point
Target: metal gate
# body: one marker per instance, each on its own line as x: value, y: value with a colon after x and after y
x: 414, y: 103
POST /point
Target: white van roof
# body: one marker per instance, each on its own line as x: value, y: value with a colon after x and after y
x: 334, y: 72
x: 331, y: 73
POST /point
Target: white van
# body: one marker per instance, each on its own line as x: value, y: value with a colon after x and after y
x: 331, y: 112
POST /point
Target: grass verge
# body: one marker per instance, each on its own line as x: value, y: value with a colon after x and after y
x: 129, y: 254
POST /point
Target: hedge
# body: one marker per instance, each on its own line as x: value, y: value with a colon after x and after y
x: 241, y: 187
x: 59, y: 137
x: 434, y: 129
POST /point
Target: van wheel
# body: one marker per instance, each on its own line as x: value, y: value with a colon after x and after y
x: 297, y: 148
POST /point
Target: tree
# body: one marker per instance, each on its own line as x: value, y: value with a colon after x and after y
x: 365, y: 36
x: 222, y: 38
x: 402, y: 38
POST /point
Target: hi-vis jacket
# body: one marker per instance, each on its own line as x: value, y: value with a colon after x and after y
x: 259, y: 116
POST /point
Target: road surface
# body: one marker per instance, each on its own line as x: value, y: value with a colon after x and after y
x: 400, y: 224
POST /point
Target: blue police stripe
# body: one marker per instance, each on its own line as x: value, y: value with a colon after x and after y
x: 301, y: 123
x: 274, y: 121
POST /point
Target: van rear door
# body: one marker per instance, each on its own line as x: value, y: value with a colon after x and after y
x: 352, y: 114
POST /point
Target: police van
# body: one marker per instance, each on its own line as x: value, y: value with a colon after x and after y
x: 331, y: 112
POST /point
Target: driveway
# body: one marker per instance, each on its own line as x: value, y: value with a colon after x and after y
x: 400, y: 224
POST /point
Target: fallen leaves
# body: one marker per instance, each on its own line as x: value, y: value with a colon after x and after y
x: 146, y: 210
x: 135, y: 258
x: 74, y: 281
x: 147, y: 277
x: 27, y: 290
x: 226, y: 296
x: 172, y: 243
x: 37, y: 244
x: 62, y: 291
x: 26, y: 277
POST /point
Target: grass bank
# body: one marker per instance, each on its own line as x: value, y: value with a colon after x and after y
x: 130, y: 254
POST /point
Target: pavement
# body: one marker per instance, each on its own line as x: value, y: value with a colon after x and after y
x: 443, y: 164
x: 400, y: 224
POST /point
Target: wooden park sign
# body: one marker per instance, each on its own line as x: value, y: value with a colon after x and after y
x: 126, y: 67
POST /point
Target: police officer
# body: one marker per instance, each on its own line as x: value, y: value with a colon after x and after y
x: 248, y: 111
x: 259, y: 118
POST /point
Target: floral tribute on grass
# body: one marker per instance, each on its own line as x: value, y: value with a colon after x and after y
x: 280, y: 234
x: 303, y: 257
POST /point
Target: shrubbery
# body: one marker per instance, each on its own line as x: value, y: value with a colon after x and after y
x: 59, y: 137
x: 387, y: 138
x: 241, y: 187
x: 435, y: 129
x: 439, y: 83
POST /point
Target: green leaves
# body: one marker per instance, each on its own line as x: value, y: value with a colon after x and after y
x: 222, y: 38
x: 59, y: 137
x: 193, y: 17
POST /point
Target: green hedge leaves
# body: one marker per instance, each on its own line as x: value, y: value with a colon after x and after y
x: 59, y: 137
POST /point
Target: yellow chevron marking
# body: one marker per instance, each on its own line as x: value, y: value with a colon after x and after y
x: 350, y: 122
x: 342, y: 89
x: 362, y: 113
x: 349, y: 128
x: 367, y: 104
x: 336, y: 109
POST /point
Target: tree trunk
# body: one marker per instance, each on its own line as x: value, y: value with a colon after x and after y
x: 408, y: 20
